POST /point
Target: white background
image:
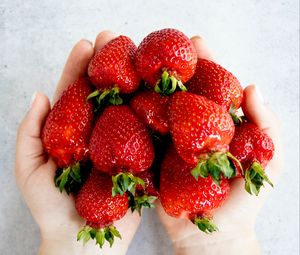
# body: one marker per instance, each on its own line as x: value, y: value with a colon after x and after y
x: 256, y: 40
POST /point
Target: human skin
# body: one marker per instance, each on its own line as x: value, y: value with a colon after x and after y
x: 55, y: 213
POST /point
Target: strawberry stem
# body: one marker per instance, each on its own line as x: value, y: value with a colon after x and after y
x: 168, y: 84
x: 205, y: 224
x: 216, y: 165
x: 254, y: 178
x: 233, y: 113
x: 100, y: 235
x: 108, y: 96
x: 67, y: 178
x: 124, y: 182
x: 137, y: 203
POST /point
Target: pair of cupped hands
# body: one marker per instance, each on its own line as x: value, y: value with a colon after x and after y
x: 56, y: 215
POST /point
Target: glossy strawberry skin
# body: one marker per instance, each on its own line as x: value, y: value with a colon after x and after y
x: 198, y: 126
x: 95, y: 203
x: 152, y: 109
x: 120, y: 142
x: 217, y: 84
x: 182, y: 196
x: 114, y: 66
x: 69, y: 124
x: 166, y: 49
x: 250, y: 144
x: 148, y: 178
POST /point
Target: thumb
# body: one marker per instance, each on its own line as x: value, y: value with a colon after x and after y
x: 29, y: 148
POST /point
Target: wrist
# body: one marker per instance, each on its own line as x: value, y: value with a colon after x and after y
x: 237, y: 243
x: 69, y: 245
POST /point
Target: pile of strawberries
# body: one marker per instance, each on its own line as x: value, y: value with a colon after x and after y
x: 153, y: 122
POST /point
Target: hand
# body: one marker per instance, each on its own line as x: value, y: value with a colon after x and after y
x: 55, y: 212
x: 236, y: 218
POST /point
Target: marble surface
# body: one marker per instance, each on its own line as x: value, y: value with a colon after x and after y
x: 256, y: 40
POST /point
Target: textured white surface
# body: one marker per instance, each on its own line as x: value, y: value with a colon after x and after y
x: 256, y: 40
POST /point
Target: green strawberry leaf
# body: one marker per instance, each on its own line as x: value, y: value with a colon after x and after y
x: 254, y: 178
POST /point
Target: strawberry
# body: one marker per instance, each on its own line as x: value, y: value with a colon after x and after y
x: 165, y: 59
x: 254, y: 149
x: 201, y: 131
x: 96, y: 205
x: 217, y: 84
x: 121, y: 144
x: 112, y: 70
x: 151, y: 108
x: 145, y: 195
x: 67, y: 130
x: 183, y: 196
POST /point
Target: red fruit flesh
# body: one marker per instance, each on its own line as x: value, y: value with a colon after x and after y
x: 152, y: 109
x: 113, y: 66
x: 120, y: 142
x: 96, y: 204
x: 198, y: 126
x: 217, y: 84
x: 68, y: 126
x: 166, y: 50
x: 250, y: 144
x: 182, y: 196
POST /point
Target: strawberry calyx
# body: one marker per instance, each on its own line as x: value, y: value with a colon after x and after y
x: 68, y: 178
x: 126, y: 182
x: 237, y: 120
x: 100, y: 235
x: 205, y: 224
x: 168, y: 84
x: 254, y: 178
x: 105, y: 97
x: 138, y: 202
x: 216, y: 165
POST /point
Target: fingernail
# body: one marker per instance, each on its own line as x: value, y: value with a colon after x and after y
x: 259, y: 94
x: 33, y: 97
x: 196, y: 37
x: 87, y: 41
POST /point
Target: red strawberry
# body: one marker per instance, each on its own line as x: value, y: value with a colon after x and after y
x: 112, y: 69
x: 151, y: 108
x: 146, y: 194
x: 254, y: 149
x: 217, y: 84
x: 67, y: 130
x: 96, y: 205
x: 182, y: 196
x: 169, y: 52
x: 121, y: 143
x: 201, y: 131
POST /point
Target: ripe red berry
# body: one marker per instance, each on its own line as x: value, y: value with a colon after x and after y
x: 152, y: 109
x: 182, y: 196
x: 67, y: 130
x: 100, y: 209
x: 217, y: 84
x: 113, y: 66
x: 169, y: 51
x: 254, y: 149
x: 201, y: 131
x: 120, y: 143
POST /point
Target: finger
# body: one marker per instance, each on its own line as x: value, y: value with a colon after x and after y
x: 75, y: 66
x: 103, y: 38
x: 29, y: 149
x: 257, y: 112
x: 260, y: 114
x: 202, y: 49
